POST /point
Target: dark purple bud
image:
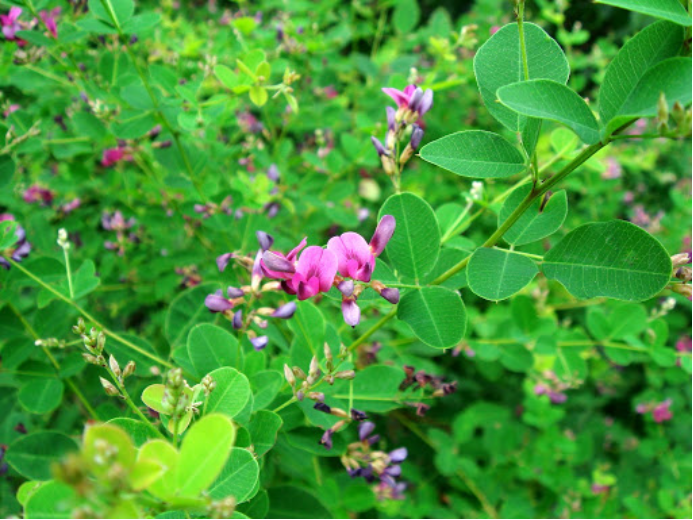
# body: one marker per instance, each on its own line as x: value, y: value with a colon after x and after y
x: 391, y: 120
x: 353, y: 473
x: 449, y: 388
x: 322, y: 407
x: 237, y: 319
x: 346, y: 287
x: 416, y: 137
x: 326, y: 439
x: 154, y: 132
x: 358, y: 415
x: 379, y: 147
x: 266, y: 240
x: 234, y: 292
x: 421, y: 409
x: 260, y: 342
x: 367, y: 473
x: 391, y: 295
x: 217, y: 303
x: 365, y: 429
x: 134, y: 39
x: 285, y: 312
x: 383, y: 234
x: 274, y: 262
x: 351, y: 312
x: 273, y: 173
x: 399, y: 455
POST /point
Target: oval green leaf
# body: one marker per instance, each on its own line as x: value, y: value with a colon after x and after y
x: 537, y: 222
x: 476, y: 154
x: 32, y: 455
x: 671, y: 10
x: 211, y: 347
x: 238, y: 477
x: 615, y: 259
x: 41, y: 395
x: 436, y: 315
x: 231, y: 394
x: 495, y: 274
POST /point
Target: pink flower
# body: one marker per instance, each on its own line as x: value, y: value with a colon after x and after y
x: 9, y: 23
x: 49, y: 19
x: 312, y: 273
x: 661, y: 412
x: 10, y: 109
x: 36, y: 193
x: 412, y: 99
x: 356, y: 257
x: 112, y: 156
x: 684, y: 344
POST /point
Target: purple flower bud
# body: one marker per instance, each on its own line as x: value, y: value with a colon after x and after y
x: 276, y: 263
x: 260, y: 342
x: 391, y: 295
x: 557, y: 397
x: 399, y: 455
x: 415, y: 99
x: 383, y: 234
x: 346, y: 287
x: 353, y: 473
x: 358, y: 415
x: 379, y: 147
x: 272, y: 209
x: 394, y: 471
x: 416, y: 137
x: 322, y: 407
x: 285, y: 312
x: 351, y: 312
x: 273, y: 173
x: 365, y: 429
x: 266, y: 240
x: 326, y: 439
x: 234, y: 292
x: 217, y: 303
x: 391, y: 119
x: 237, y: 320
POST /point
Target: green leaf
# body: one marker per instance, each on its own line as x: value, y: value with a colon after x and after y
x: 499, y: 62
x: 141, y: 23
x: 167, y: 456
x: 8, y: 233
x: 138, y: 431
x: 295, y: 502
x: 41, y: 395
x: 106, y: 10
x: 93, y: 25
x: 227, y: 76
x: 671, y: 77
x: 132, y: 124
x: 476, y: 154
x: 36, y: 38
x: 143, y: 363
x: 51, y: 500
x: 7, y: 169
x: 654, y: 44
x: 414, y: 247
x: 84, y: 280
x: 203, y: 453
x: 32, y: 455
x: 615, y: 259
x: 266, y: 385
x: 144, y: 473
x: 98, y: 435
x: 406, y: 15
x: 231, y: 394
x: 374, y: 389
x: 516, y: 358
x: 258, y: 95
x: 308, y: 326
x: 671, y: 10
x: 495, y: 274
x: 187, y: 310
x: 535, y: 223
x: 238, y: 478
x: 211, y: 347
x: 547, y: 99
x: 436, y: 315
x: 263, y: 429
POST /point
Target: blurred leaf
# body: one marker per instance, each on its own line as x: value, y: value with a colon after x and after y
x: 96, y: 436
x: 671, y: 10
x: 32, y: 455
x: 41, y: 395
x: 51, y: 500
x: 107, y: 10
x: 405, y: 16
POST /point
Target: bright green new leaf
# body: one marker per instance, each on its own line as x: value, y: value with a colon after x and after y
x: 99, y: 435
x: 615, y: 259
x: 476, y: 154
x: 436, y: 315
x: 238, y: 478
x: 496, y: 274
x: 166, y: 456
x: 231, y: 394
x: 41, y: 395
x: 547, y: 99
x: 51, y: 500
x: 413, y: 249
x: 203, y: 454
x: 537, y: 222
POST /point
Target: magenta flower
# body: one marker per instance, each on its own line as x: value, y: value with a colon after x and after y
x: 661, y: 412
x: 49, y: 19
x: 9, y: 23
x: 276, y: 265
x: 112, y: 156
x: 36, y: 193
x: 412, y: 101
x: 313, y: 273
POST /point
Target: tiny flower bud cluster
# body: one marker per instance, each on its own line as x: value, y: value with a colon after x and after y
x: 422, y: 380
x: 117, y: 223
x: 552, y: 387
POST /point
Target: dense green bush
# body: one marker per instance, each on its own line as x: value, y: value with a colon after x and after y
x: 489, y: 315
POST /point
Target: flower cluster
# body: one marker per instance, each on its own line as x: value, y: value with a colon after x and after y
x: 116, y: 222
x: 422, y: 380
x: 375, y: 466
x: 412, y: 103
x: 661, y: 412
x: 315, y: 270
x: 11, y: 24
x: 36, y: 194
x: 226, y: 302
x: 21, y: 247
x: 552, y: 387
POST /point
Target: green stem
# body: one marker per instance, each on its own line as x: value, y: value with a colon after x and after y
x: 89, y: 317
x: 69, y: 272
x: 521, y: 30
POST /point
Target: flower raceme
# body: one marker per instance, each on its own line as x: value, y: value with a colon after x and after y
x: 315, y: 270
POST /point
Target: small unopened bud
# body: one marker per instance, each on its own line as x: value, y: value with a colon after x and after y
x: 683, y: 288
x: 289, y: 375
x: 379, y: 147
x: 662, y: 110
x: 391, y: 295
x: 90, y: 359
x: 685, y: 274
x: 681, y: 259
x: 416, y: 137
x: 328, y: 351
x: 129, y: 369
x: 80, y: 328
x: 208, y: 384
x: 113, y: 363
x: 345, y: 374
x: 338, y: 412
x: 63, y: 240
x: 329, y: 379
x: 109, y: 387
x: 300, y: 374
x: 100, y: 341
x: 316, y: 396
x: 314, y: 370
